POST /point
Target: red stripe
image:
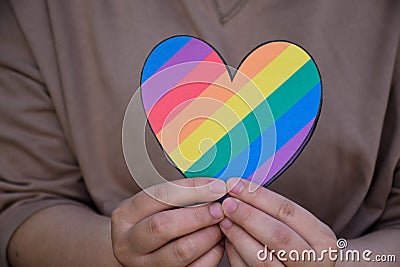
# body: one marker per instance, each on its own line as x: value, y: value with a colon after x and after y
x: 160, y: 114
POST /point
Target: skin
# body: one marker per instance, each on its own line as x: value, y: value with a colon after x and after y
x: 160, y: 234
x: 142, y: 231
x: 157, y: 234
x: 264, y: 217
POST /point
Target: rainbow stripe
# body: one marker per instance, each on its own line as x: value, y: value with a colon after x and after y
x: 253, y: 126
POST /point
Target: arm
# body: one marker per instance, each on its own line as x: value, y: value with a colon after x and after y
x: 47, y: 217
x: 384, y: 237
x: 73, y: 233
x: 383, y: 242
x: 38, y: 171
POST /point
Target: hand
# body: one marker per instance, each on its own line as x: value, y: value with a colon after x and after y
x: 259, y: 218
x: 149, y: 232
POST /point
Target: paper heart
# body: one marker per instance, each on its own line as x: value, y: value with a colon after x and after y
x: 217, y: 122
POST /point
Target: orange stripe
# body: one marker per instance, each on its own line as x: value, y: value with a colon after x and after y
x: 185, y: 118
x: 267, y: 53
x: 223, y: 95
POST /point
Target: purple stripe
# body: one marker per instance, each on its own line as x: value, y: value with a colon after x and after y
x: 281, y: 157
x: 194, y: 50
x: 161, y: 83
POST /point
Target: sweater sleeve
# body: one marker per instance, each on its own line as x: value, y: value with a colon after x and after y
x: 390, y: 153
x: 37, y: 167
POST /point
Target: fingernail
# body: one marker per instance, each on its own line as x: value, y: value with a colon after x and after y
x: 216, y: 211
x: 218, y: 187
x: 235, y: 186
x: 226, y: 223
x: 229, y: 205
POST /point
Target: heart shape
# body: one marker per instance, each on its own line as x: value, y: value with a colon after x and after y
x: 214, y: 121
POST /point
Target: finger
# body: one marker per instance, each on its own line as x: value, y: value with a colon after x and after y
x: 233, y: 256
x: 186, y: 192
x: 246, y: 245
x: 167, y: 195
x: 142, y: 205
x: 162, y: 227
x: 266, y: 229
x: 211, y: 258
x: 316, y: 233
x: 185, y: 250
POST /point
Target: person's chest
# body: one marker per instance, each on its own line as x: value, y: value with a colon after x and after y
x: 101, y: 49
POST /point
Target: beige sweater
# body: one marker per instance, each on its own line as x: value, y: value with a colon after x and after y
x: 69, y: 68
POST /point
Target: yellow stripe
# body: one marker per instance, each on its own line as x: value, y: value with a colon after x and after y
x: 239, y: 106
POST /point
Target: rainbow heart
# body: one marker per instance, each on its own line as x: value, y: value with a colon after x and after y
x: 214, y: 121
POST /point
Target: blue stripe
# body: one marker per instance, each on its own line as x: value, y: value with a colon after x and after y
x: 161, y: 54
x: 287, y: 126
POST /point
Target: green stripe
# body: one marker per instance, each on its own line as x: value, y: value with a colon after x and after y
x: 280, y: 101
